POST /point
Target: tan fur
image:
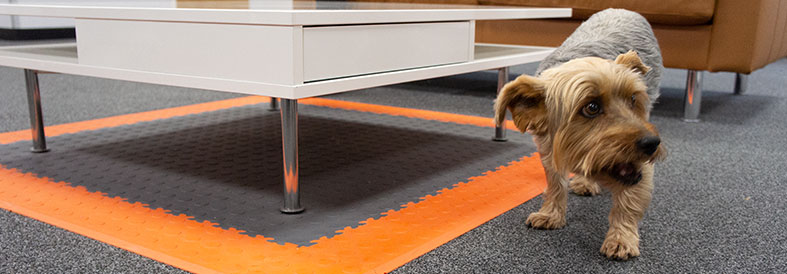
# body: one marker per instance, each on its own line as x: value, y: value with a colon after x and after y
x: 596, y: 148
x: 526, y: 99
x: 631, y: 59
x: 584, y: 186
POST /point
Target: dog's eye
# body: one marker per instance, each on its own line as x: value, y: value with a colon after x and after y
x: 633, y: 100
x: 591, y: 110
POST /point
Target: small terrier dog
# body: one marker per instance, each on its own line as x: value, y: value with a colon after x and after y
x: 588, y: 111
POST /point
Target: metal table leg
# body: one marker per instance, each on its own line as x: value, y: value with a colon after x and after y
x: 36, y: 117
x: 289, y: 137
x: 274, y: 105
x: 502, y: 79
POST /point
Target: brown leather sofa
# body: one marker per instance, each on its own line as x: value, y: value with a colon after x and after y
x: 698, y: 35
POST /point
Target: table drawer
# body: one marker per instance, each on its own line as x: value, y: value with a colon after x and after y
x: 256, y: 53
x: 282, y: 55
x: 339, y: 51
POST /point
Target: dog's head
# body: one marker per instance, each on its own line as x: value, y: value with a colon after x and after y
x: 593, y: 111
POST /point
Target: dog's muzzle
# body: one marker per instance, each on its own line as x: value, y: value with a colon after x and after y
x: 627, y: 173
x: 649, y: 144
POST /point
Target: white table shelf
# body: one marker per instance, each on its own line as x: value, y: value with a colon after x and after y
x: 63, y: 58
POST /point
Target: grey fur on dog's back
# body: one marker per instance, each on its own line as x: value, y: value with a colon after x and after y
x: 608, y: 34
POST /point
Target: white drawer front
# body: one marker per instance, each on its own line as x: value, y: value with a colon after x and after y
x: 339, y: 51
x: 226, y: 51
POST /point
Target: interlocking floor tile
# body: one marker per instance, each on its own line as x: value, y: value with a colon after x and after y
x: 202, y: 191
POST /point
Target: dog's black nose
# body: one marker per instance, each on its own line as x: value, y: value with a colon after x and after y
x: 649, y: 144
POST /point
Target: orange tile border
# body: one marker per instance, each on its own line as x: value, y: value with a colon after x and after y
x: 376, y: 246
x: 407, y: 112
x: 419, y: 227
x: 56, y: 130
x: 127, y: 119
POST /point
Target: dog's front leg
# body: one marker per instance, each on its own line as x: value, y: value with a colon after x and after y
x: 552, y: 214
x: 628, y: 208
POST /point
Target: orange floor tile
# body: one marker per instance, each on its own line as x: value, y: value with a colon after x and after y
x: 376, y: 246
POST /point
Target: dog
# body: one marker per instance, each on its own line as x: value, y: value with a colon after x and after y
x: 588, y: 110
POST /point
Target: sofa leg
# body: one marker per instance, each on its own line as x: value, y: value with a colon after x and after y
x: 693, y: 99
x: 741, y: 83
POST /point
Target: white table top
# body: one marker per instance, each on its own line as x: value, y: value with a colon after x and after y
x: 292, y: 18
x: 274, y: 12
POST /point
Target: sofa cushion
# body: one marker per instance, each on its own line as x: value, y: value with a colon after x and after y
x: 667, y: 12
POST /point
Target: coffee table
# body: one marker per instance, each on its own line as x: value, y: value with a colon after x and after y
x: 287, y: 50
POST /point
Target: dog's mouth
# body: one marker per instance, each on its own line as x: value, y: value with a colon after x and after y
x: 625, y: 173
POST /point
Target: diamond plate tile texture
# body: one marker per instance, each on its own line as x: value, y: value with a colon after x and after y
x: 225, y: 166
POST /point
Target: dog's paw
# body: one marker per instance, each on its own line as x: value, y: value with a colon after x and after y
x: 619, y: 248
x: 584, y: 187
x: 545, y: 221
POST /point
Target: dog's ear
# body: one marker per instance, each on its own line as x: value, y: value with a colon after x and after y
x: 631, y: 60
x: 524, y: 97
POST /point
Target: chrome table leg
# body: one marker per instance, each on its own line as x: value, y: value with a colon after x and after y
x: 289, y: 137
x: 36, y: 117
x: 502, y: 79
x: 274, y: 104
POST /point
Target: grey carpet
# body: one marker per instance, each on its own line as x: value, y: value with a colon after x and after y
x: 718, y: 204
